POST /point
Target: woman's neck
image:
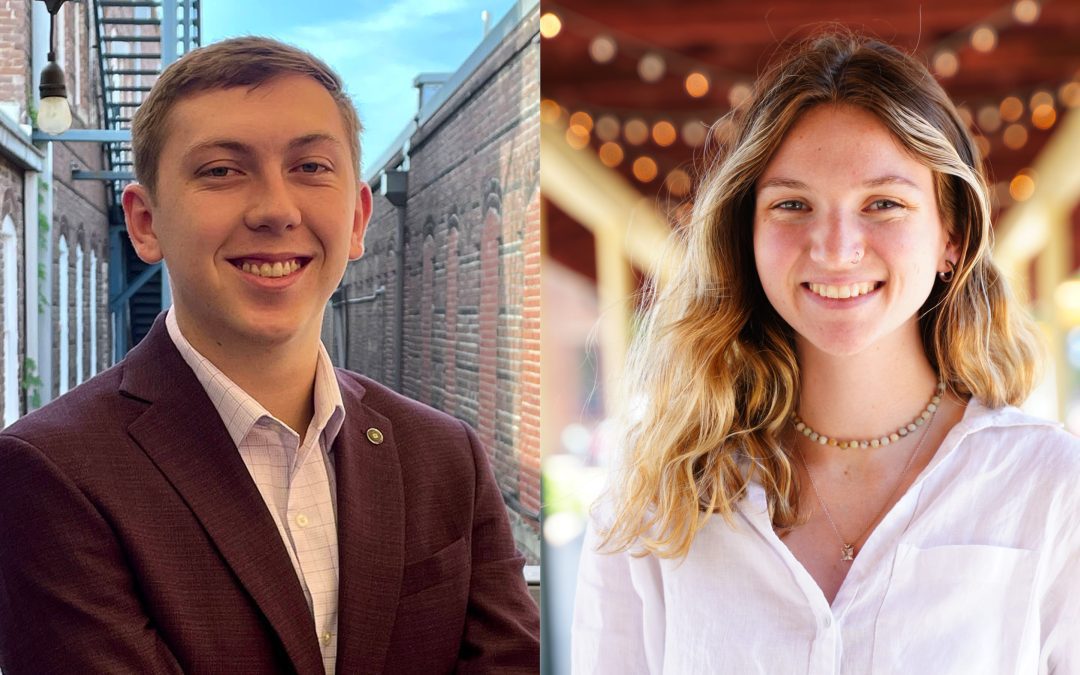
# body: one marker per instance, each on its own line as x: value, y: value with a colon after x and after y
x: 863, y: 396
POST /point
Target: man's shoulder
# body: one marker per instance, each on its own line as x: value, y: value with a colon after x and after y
x: 396, y: 407
x: 93, y: 408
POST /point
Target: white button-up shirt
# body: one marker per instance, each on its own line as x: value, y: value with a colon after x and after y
x: 976, y: 569
x: 294, y: 476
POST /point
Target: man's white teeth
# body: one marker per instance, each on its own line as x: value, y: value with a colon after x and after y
x: 276, y: 269
x: 851, y: 291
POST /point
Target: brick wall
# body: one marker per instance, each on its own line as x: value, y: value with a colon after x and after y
x: 11, y: 204
x: 79, y: 210
x: 471, y: 270
x: 15, y: 72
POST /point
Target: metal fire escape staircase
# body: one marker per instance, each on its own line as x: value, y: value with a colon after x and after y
x: 133, y: 50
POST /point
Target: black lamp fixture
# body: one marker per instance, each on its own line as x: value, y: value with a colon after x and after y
x: 54, y: 114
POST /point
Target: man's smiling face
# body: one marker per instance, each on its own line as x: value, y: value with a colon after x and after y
x: 256, y: 211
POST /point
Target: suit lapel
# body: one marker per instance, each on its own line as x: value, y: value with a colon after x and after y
x: 184, y: 436
x: 371, y: 534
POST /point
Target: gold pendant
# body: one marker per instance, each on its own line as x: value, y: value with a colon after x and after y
x: 849, y: 553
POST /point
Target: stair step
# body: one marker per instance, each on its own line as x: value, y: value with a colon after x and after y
x: 128, y: 21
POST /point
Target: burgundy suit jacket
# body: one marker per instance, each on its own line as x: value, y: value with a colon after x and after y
x: 133, y: 539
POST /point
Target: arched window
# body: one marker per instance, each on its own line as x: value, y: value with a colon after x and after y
x: 93, y: 312
x: 10, y: 344
x: 62, y: 307
x: 80, y: 325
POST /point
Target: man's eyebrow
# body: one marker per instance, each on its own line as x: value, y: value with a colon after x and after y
x: 245, y: 150
x: 792, y: 184
x: 311, y: 139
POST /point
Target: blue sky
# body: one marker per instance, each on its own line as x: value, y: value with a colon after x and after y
x: 377, y: 47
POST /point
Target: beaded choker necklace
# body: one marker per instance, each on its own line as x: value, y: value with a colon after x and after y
x: 922, y: 418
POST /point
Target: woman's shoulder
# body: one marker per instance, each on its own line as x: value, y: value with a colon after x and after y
x: 1010, y: 429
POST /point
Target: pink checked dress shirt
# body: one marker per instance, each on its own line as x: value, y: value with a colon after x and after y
x: 295, y: 477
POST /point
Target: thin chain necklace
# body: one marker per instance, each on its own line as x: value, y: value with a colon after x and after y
x: 847, y: 551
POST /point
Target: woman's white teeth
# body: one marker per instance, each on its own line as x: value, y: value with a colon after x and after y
x: 275, y: 269
x: 850, y: 291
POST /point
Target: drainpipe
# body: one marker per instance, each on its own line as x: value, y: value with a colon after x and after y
x: 42, y: 316
x: 395, y: 187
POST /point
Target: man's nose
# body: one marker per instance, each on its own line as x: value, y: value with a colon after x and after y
x: 837, y: 241
x: 273, y: 205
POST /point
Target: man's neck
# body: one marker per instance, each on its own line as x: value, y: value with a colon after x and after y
x: 280, y: 376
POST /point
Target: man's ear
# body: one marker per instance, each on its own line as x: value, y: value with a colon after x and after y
x: 139, y: 217
x: 360, y: 220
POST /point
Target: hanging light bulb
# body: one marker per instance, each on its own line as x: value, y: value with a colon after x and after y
x: 54, y: 114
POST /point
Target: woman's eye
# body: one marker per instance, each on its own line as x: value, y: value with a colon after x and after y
x: 791, y: 205
x: 883, y: 205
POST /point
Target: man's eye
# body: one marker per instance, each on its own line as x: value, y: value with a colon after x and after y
x: 217, y: 171
x: 312, y: 167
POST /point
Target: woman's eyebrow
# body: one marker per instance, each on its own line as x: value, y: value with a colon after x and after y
x: 792, y: 184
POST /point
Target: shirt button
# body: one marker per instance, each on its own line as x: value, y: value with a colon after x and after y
x: 301, y: 520
x: 325, y: 638
x: 828, y: 622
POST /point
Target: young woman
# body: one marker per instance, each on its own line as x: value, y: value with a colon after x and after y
x: 827, y: 474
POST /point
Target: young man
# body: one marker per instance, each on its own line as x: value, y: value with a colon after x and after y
x: 223, y: 500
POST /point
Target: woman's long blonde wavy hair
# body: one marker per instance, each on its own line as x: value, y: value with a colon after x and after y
x: 716, y: 365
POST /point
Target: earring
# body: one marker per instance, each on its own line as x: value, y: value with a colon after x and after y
x: 947, y: 275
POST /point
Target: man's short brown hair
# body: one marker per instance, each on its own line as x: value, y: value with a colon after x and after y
x: 236, y: 62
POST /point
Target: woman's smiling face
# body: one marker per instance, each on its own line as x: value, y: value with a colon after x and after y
x: 847, y: 233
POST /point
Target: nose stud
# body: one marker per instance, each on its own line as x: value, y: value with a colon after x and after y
x: 857, y: 258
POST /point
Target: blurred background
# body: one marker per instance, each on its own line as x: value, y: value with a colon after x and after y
x: 629, y: 94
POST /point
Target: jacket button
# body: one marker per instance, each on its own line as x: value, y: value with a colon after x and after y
x: 374, y: 435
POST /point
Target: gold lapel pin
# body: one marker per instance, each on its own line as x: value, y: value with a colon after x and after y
x: 374, y: 435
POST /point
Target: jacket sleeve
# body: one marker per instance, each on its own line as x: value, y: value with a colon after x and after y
x: 502, y: 627
x: 608, y: 634
x: 68, y: 602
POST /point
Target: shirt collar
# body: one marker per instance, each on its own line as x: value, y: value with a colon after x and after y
x: 240, y: 412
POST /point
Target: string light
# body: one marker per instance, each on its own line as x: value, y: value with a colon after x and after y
x: 1041, y: 97
x: 677, y: 183
x: 1043, y: 116
x: 550, y: 111
x: 1022, y: 186
x: 663, y: 133
x: 697, y: 84
x: 989, y: 118
x: 946, y: 64
x: 1015, y: 136
x: 739, y: 92
x: 1026, y: 11
x: 636, y: 131
x: 1069, y: 94
x: 582, y: 119
x: 576, y: 137
x: 607, y: 128
x: 611, y: 154
x: 602, y: 49
x: 651, y: 67
x: 644, y: 169
x: 1012, y: 109
x: 694, y: 133
x: 984, y: 39
x: 550, y: 25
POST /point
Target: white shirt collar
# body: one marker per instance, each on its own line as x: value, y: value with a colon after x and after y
x: 240, y: 412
